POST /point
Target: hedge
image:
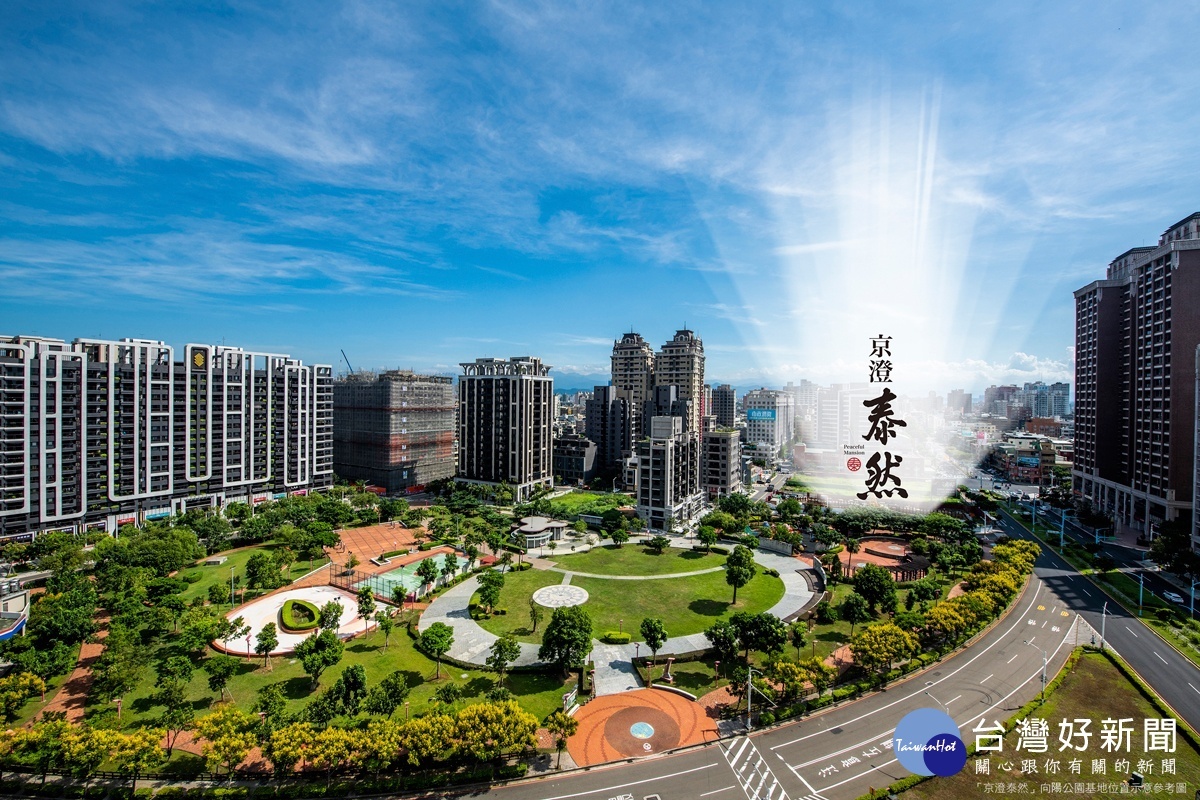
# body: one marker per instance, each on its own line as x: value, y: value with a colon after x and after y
x: 616, y: 637
x: 394, y: 553
x: 292, y: 616
x: 721, y: 551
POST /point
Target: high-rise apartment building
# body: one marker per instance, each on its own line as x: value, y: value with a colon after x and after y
x: 574, y: 457
x: 770, y: 417
x: 95, y: 434
x: 680, y: 363
x: 505, y: 432
x: 721, y: 463
x: 668, y: 488
x: 1136, y: 335
x: 394, y: 429
x: 633, y: 376
x: 725, y: 405
x: 607, y: 423
x: 958, y: 402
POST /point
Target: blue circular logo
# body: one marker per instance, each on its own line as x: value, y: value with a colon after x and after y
x: 641, y: 730
x: 927, y: 742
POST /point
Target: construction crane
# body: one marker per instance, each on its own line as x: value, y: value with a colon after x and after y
x: 347, y: 362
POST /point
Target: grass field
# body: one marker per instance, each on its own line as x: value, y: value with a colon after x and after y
x: 686, y: 605
x: 1095, y: 690
x: 636, y: 560
x: 539, y: 694
x: 237, y: 559
x: 594, y: 502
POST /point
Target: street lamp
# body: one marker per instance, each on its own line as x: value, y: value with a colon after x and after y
x: 1141, y: 591
x: 749, y: 696
x: 1035, y: 647
x: 934, y: 699
x: 1103, y: 620
x: 232, y: 596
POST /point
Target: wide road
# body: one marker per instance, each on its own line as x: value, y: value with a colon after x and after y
x: 843, y: 752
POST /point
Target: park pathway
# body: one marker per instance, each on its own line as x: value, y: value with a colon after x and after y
x: 614, y: 662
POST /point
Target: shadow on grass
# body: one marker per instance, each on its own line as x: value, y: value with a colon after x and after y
x: 833, y: 637
x: 477, y: 686
x: 183, y: 765
x: 691, y: 555
x: 708, y: 608
x: 298, y: 687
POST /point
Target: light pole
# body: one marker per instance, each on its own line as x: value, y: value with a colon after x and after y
x: 1192, y: 603
x: 1035, y: 647
x: 749, y: 696
x: 1141, y: 591
x: 1103, y: 619
x: 232, y: 596
x: 945, y: 707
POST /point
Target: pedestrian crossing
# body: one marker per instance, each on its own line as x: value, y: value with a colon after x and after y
x: 752, y: 772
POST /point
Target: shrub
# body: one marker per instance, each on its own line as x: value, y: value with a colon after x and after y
x: 191, y: 577
x: 774, y: 573
x: 825, y: 612
x: 424, y: 546
x: 616, y: 637
x: 393, y: 553
x: 766, y: 718
x: 721, y: 551
x: 524, y: 565
x: 299, y: 615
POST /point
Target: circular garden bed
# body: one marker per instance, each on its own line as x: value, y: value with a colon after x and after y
x: 298, y: 616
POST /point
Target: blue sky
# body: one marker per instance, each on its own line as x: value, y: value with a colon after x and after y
x: 422, y: 184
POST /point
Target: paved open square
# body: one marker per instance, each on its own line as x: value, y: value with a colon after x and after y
x: 560, y: 596
x: 257, y: 613
x: 639, y: 723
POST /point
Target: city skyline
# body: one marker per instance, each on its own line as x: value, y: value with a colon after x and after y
x: 397, y: 182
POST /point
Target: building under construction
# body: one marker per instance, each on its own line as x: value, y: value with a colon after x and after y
x: 393, y: 429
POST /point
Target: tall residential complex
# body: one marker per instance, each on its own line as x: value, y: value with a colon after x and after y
x: 633, y: 376
x: 505, y: 429
x: 721, y: 463
x: 1136, y: 337
x: 95, y: 434
x: 394, y: 429
x: 668, y: 486
x: 770, y: 417
x: 607, y: 423
x: 680, y: 363
x: 725, y: 405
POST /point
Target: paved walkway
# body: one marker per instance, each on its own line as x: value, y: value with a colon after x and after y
x: 614, y: 663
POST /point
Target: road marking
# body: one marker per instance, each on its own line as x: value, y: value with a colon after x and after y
x: 718, y: 791
x: 1194, y: 689
x: 1014, y: 658
x: 1131, y: 631
x: 635, y: 783
x: 1085, y: 591
x: 985, y: 680
x: 1160, y: 658
x: 952, y: 699
x: 1030, y: 640
x: 1044, y: 623
x: 798, y: 776
x: 749, y: 756
x: 1017, y: 620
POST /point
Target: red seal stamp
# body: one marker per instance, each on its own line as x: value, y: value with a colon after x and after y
x: 853, y: 464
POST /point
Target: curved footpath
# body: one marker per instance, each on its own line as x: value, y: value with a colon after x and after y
x: 614, y: 662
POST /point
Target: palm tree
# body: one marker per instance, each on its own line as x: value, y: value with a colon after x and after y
x: 852, y: 545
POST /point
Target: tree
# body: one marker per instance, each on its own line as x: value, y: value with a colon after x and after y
x: 136, y: 752
x: 177, y: 715
x: 789, y: 509
x: 486, y: 730
x: 854, y: 609
x: 505, y: 650
x: 536, y: 612
x: 568, y: 637
x: 852, y: 546
x: 561, y: 727
x: 724, y: 640
x: 944, y: 623
x: 15, y: 690
x: 427, y: 571
x: 707, y: 536
x: 388, y: 695
x: 449, y: 569
x: 352, y: 562
x: 228, y: 737
x: 383, y: 619
x: 119, y: 668
x: 490, y: 584
x: 877, y: 646
x: 366, y: 605
x: 217, y: 596
x: 289, y: 745
x: 220, y: 669
x: 874, y: 583
x: 798, y: 636
x: 318, y: 652
x: 448, y: 694
x: 330, y: 748
x: 262, y: 571
x: 620, y: 536
x: 658, y: 544
x: 436, y: 641
x: 739, y: 569
x: 763, y: 631
x: 271, y: 703
x: 266, y: 641
x: 655, y: 635
x: 329, y: 617
x: 925, y: 589
x: 427, y: 737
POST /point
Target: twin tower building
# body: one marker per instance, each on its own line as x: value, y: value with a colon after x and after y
x: 95, y: 434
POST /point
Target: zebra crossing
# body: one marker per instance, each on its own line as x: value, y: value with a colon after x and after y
x: 752, y: 772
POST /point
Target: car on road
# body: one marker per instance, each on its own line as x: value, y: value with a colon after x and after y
x: 1177, y: 599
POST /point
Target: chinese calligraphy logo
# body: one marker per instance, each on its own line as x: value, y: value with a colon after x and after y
x: 928, y: 742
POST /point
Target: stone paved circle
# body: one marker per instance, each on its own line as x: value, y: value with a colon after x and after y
x: 560, y: 596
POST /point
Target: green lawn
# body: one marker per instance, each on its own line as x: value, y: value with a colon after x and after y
x: 686, y: 605
x: 581, y: 502
x: 1095, y: 690
x: 538, y: 693
x: 637, y: 560
x: 237, y: 560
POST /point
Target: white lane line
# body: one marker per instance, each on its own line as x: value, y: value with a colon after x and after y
x: 1194, y: 689
x: 952, y: 699
x: 1014, y: 658
x: 1085, y: 591
x: 1030, y: 640
x: 635, y: 783
x: 1017, y: 619
x: 1044, y: 623
x: 718, y: 791
x: 1131, y: 631
x: 1160, y: 658
x: 989, y: 677
x: 983, y: 714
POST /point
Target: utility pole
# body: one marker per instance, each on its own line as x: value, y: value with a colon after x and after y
x: 1103, y: 620
x: 1034, y: 646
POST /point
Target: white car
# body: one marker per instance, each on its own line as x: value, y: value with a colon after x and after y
x: 1174, y: 598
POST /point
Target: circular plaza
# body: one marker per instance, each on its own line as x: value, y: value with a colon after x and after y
x: 257, y: 613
